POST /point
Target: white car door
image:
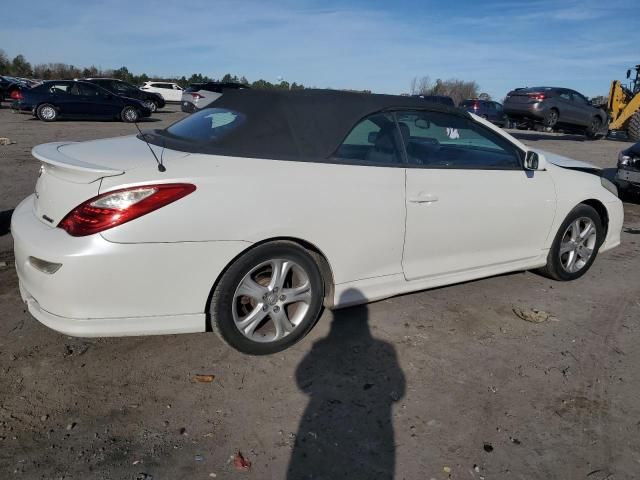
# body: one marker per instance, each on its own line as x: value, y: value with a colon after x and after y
x: 470, y: 204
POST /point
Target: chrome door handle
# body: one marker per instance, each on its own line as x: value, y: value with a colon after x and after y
x: 424, y: 198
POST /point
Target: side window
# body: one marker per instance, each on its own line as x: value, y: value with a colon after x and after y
x: 373, y: 140
x: 88, y: 90
x: 443, y: 140
x: 59, y: 88
x: 565, y: 96
x: 579, y: 99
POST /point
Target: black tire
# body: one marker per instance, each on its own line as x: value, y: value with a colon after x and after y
x: 130, y: 114
x: 153, y: 106
x: 47, y: 112
x: 223, y: 301
x: 551, y: 118
x: 633, y: 128
x: 593, y: 128
x: 554, y: 268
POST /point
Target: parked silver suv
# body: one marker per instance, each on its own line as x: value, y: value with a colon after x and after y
x: 555, y: 108
x: 199, y: 95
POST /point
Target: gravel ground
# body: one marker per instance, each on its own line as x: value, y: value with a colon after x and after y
x: 445, y: 383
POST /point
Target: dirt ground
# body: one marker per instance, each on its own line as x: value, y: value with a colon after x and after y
x: 445, y: 383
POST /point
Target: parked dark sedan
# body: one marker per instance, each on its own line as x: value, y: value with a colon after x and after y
x: 555, y: 108
x: 152, y: 100
x: 441, y: 99
x: 487, y: 109
x: 628, y: 174
x: 73, y: 99
x: 9, y: 86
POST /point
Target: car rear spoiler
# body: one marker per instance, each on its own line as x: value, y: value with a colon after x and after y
x: 74, y: 169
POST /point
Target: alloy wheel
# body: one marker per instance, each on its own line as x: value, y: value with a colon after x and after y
x: 577, y: 244
x: 131, y: 115
x: 272, y: 300
x: 48, y: 113
x: 150, y: 105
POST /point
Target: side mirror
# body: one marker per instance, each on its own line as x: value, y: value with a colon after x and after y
x: 534, y: 161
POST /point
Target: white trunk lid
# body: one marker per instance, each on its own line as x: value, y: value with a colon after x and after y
x: 71, y: 172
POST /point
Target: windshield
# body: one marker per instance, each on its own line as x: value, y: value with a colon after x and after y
x: 207, y: 125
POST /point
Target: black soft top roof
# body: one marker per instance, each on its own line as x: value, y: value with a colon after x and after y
x: 298, y: 124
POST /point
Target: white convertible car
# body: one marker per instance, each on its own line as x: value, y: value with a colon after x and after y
x: 247, y: 217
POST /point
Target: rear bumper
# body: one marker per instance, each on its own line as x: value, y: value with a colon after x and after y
x: 615, y: 211
x: 110, y: 327
x: 115, y: 289
x: 525, y: 111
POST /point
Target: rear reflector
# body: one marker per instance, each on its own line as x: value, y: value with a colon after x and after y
x: 44, y: 266
x: 120, y: 206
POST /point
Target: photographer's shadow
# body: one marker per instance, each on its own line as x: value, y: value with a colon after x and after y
x: 353, y: 380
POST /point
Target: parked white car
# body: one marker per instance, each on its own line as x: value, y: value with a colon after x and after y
x: 252, y: 215
x: 171, y: 92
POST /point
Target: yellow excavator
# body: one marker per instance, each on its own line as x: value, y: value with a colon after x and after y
x: 624, y: 106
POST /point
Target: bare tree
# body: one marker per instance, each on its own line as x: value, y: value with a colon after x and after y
x: 421, y: 86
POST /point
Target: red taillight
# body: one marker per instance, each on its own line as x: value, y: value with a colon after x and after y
x: 196, y: 96
x: 16, y: 95
x: 120, y: 206
x: 536, y: 96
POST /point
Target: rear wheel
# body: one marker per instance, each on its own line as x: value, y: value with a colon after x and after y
x: 47, y: 112
x: 551, y: 118
x: 129, y: 115
x: 633, y: 128
x: 268, y: 299
x: 593, y: 128
x: 576, y: 245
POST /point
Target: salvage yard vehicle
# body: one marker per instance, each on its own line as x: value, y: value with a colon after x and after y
x: 254, y: 213
x: 624, y: 106
x: 553, y: 108
x: 488, y: 109
x: 200, y: 95
x: 152, y: 100
x: 628, y: 173
x: 171, y: 92
x: 55, y: 99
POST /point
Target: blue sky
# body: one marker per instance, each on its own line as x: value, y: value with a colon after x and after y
x: 361, y: 44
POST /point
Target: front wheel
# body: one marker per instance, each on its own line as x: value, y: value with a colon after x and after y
x: 151, y: 105
x: 129, y: 115
x: 576, y: 245
x: 268, y: 299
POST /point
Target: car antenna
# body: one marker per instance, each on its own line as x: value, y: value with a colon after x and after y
x: 161, y: 167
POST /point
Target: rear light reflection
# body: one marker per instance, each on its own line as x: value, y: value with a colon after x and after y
x: 196, y: 96
x: 120, y: 206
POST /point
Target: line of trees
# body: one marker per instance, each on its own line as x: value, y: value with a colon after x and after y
x: 455, y: 88
x: 20, y: 67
